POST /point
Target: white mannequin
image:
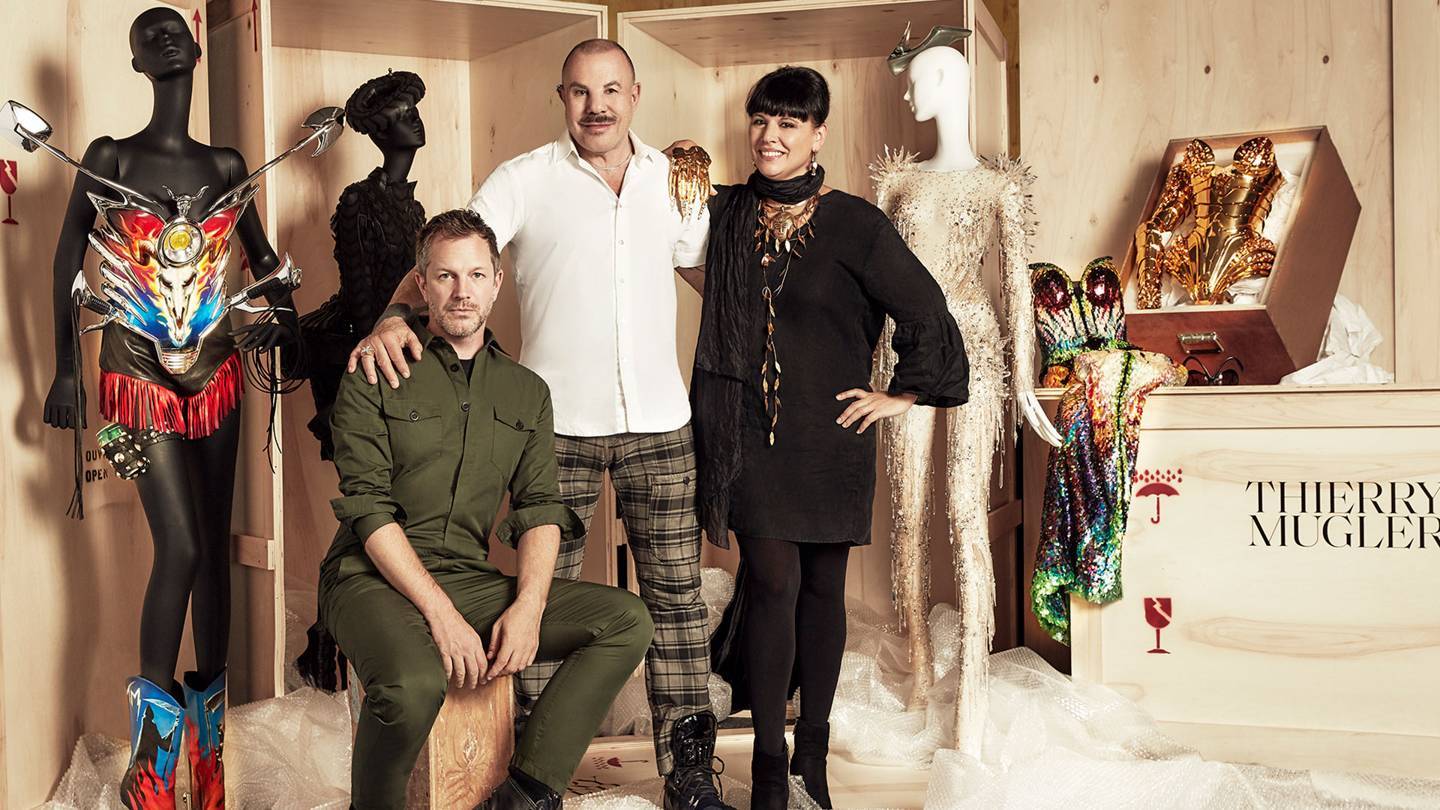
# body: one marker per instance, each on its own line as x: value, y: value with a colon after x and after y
x: 953, y: 210
x: 938, y: 89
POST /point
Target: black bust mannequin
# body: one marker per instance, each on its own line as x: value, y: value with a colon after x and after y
x: 375, y: 224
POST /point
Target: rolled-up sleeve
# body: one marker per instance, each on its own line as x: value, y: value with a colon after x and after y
x: 535, y: 487
x: 931, y: 363
x: 362, y: 456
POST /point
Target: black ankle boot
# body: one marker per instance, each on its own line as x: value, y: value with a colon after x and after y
x: 522, y: 792
x: 769, y: 784
x: 690, y: 785
x: 812, y: 745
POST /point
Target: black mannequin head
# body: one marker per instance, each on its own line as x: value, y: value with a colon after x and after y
x: 403, y: 128
x: 161, y: 44
x: 384, y: 108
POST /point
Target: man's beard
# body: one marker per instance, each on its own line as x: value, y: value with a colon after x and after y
x: 461, y: 324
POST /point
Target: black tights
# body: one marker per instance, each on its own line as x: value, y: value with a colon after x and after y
x: 796, y: 592
x: 187, y: 494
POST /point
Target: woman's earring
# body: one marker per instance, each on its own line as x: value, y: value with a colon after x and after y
x: 813, y: 162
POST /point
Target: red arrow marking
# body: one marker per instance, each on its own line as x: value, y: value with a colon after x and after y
x: 255, y: 22
x: 196, y: 19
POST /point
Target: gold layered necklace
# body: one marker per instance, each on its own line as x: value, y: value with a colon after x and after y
x: 781, y: 232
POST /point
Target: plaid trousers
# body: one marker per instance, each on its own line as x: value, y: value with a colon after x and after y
x: 654, y: 476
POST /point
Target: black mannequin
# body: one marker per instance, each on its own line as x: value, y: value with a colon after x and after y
x: 187, y: 492
x: 374, y: 226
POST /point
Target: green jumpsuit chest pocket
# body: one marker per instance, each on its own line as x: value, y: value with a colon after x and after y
x: 512, y: 432
x: 415, y: 430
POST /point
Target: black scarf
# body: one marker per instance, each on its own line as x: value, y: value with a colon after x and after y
x: 730, y: 345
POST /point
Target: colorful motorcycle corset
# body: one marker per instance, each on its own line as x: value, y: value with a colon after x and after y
x: 163, y: 275
x: 1072, y: 317
x: 165, y: 278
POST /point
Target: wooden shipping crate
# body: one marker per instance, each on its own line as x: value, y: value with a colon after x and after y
x: 1284, y: 563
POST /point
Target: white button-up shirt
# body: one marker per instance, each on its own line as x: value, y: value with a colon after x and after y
x: 596, y: 281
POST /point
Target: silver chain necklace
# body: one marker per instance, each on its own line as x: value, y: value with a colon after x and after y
x: 622, y: 165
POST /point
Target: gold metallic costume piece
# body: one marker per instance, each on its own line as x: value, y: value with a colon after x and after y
x: 951, y: 220
x: 689, y: 179
x: 1225, y: 245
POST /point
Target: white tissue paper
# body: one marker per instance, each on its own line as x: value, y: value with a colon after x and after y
x: 1350, y: 338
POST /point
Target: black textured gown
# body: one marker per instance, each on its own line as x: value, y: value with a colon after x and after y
x: 374, y: 225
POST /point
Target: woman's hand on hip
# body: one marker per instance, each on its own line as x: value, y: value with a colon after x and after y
x: 872, y: 406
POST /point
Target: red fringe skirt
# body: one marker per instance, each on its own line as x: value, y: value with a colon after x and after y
x: 138, y: 404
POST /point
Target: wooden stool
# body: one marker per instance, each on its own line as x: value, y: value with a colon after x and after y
x: 467, y: 754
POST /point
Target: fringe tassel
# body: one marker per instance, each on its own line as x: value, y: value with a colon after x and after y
x: 138, y: 404
x: 77, y: 498
x: 206, y: 410
x: 322, y: 664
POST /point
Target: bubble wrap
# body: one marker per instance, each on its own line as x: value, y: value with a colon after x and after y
x: 1055, y: 743
x: 289, y: 753
x: 1049, y: 742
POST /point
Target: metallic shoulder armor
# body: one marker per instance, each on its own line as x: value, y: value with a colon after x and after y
x: 163, y: 275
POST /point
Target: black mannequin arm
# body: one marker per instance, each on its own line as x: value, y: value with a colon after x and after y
x: 263, y: 262
x: 102, y: 158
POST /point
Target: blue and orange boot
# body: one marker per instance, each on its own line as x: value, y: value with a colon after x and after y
x: 205, y: 725
x: 155, y: 731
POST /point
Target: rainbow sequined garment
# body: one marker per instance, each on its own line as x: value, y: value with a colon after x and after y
x: 1074, y: 317
x: 1089, y: 480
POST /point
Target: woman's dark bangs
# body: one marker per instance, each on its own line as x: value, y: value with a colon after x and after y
x: 782, y: 98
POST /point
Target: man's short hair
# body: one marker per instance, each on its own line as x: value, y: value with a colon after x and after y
x: 454, y: 224
x: 594, y: 46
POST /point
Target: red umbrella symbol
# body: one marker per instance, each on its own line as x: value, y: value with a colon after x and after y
x: 1157, y: 488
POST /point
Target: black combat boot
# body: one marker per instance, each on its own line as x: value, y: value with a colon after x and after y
x: 691, y: 785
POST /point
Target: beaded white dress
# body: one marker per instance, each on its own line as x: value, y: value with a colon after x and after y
x: 951, y: 220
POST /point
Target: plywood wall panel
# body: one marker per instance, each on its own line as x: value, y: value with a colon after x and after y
x: 1106, y: 84
x: 239, y: 83
x: 1416, y: 62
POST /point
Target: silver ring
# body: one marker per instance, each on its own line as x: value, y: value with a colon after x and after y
x: 366, y: 350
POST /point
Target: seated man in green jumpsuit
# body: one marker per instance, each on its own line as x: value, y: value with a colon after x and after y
x: 406, y: 589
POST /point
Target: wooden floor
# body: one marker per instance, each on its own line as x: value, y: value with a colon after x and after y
x: 623, y: 760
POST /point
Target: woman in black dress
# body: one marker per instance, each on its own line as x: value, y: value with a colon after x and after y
x: 799, y: 280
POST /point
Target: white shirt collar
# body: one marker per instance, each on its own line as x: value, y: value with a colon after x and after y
x: 564, y: 147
